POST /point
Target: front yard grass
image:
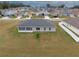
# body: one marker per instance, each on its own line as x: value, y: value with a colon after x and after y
x: 36, y: 17
x: 57, y: 43
x: 51, y: 16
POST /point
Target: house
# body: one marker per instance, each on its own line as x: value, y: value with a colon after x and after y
x: 72, y: 24
x: 36, y: 25
x: 8, y: 12
x: 40, y: 13
x: 73, y: 12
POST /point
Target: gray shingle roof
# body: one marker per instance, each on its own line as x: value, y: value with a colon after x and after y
x: 73, y: 21
x: 36, y: 22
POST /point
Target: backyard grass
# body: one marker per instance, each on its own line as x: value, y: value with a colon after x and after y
x: 13, y: 43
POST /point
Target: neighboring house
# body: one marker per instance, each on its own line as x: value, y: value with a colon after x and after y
x: 72, y: 24
x: 36, y: 25
x: 64, y: 12
x: 21, y: 13
x: 72, y: 12
x: 40, y: 13
x: 14, y: 11
x: 9, y: 12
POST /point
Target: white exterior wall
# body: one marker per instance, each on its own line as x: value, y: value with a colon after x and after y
x: 24, y: 30
x: 41, y: 30
x: 74, y: 29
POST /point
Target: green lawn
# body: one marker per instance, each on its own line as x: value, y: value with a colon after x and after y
x: 25, y: 16
x: 34, y: 17
x: 13, y: 43
x: 64, y: 17
x: 13, y: 16
x: 51, y: 16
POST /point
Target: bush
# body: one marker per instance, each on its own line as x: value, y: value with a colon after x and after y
x: 13, y: 16
x: 37, y: 35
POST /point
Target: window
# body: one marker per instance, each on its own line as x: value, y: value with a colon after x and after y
x: 37, y: 28
x: 21, y: 28
x: 44, y: 28
x: 49, y: 28
x: 28, y: 28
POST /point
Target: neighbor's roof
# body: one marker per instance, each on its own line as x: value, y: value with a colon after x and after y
x: 73, y: 21
x: 36, y: 22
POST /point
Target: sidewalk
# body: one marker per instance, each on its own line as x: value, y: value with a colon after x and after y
x: 75, y: 37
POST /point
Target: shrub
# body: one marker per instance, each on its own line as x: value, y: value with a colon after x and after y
x: 37, y: 35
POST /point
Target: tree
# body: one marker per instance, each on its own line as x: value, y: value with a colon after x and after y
x: 76, y: 6
x: 48, y: 5
x: 6, y: 4
x: 61, y: 6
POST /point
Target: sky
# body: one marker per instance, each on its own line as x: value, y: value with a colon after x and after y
x: 43, y: 3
